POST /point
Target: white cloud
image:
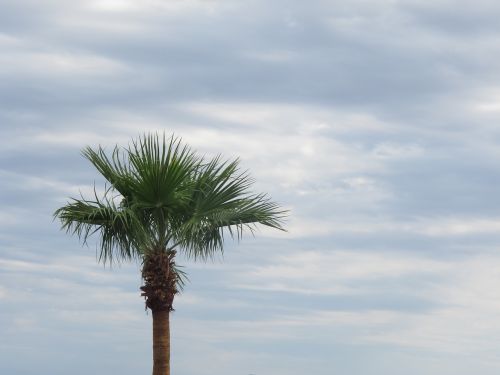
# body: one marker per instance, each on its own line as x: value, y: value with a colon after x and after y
x: 434, y: 227
x: 25, y: 323
x: 43, y: 64
x: 388, y: 150
x: 461, y: 320
x: 466, y: 321
x: 331, y: 272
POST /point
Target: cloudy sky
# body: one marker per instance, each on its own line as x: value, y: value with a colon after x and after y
x: 376, y: 122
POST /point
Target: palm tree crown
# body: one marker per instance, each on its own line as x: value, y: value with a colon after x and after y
x: 162, y: 195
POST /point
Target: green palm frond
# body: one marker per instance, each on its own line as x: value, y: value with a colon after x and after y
x: 221, y: 201
x: 122, y: 235
x: 162, y: 171
x: 114, y: 169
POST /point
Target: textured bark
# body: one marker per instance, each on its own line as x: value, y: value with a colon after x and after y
x: 161, y: 342
x: 160, y: 280
x: 159, y: 290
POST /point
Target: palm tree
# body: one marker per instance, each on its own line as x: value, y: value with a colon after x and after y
x: 162, y: 199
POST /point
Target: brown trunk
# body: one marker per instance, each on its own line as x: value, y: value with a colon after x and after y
x: 159, y: 290
x: 161, y: 342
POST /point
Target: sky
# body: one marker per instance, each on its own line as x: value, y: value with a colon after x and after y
x: 376, y: 123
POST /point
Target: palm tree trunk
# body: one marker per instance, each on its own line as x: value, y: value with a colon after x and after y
x: 161, y: 342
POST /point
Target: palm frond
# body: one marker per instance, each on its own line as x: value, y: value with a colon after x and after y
x: 115, y: 169
x: 220, y: 201
x: 121, y: 234
x: 162, y: 169
x: 181, y: 277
